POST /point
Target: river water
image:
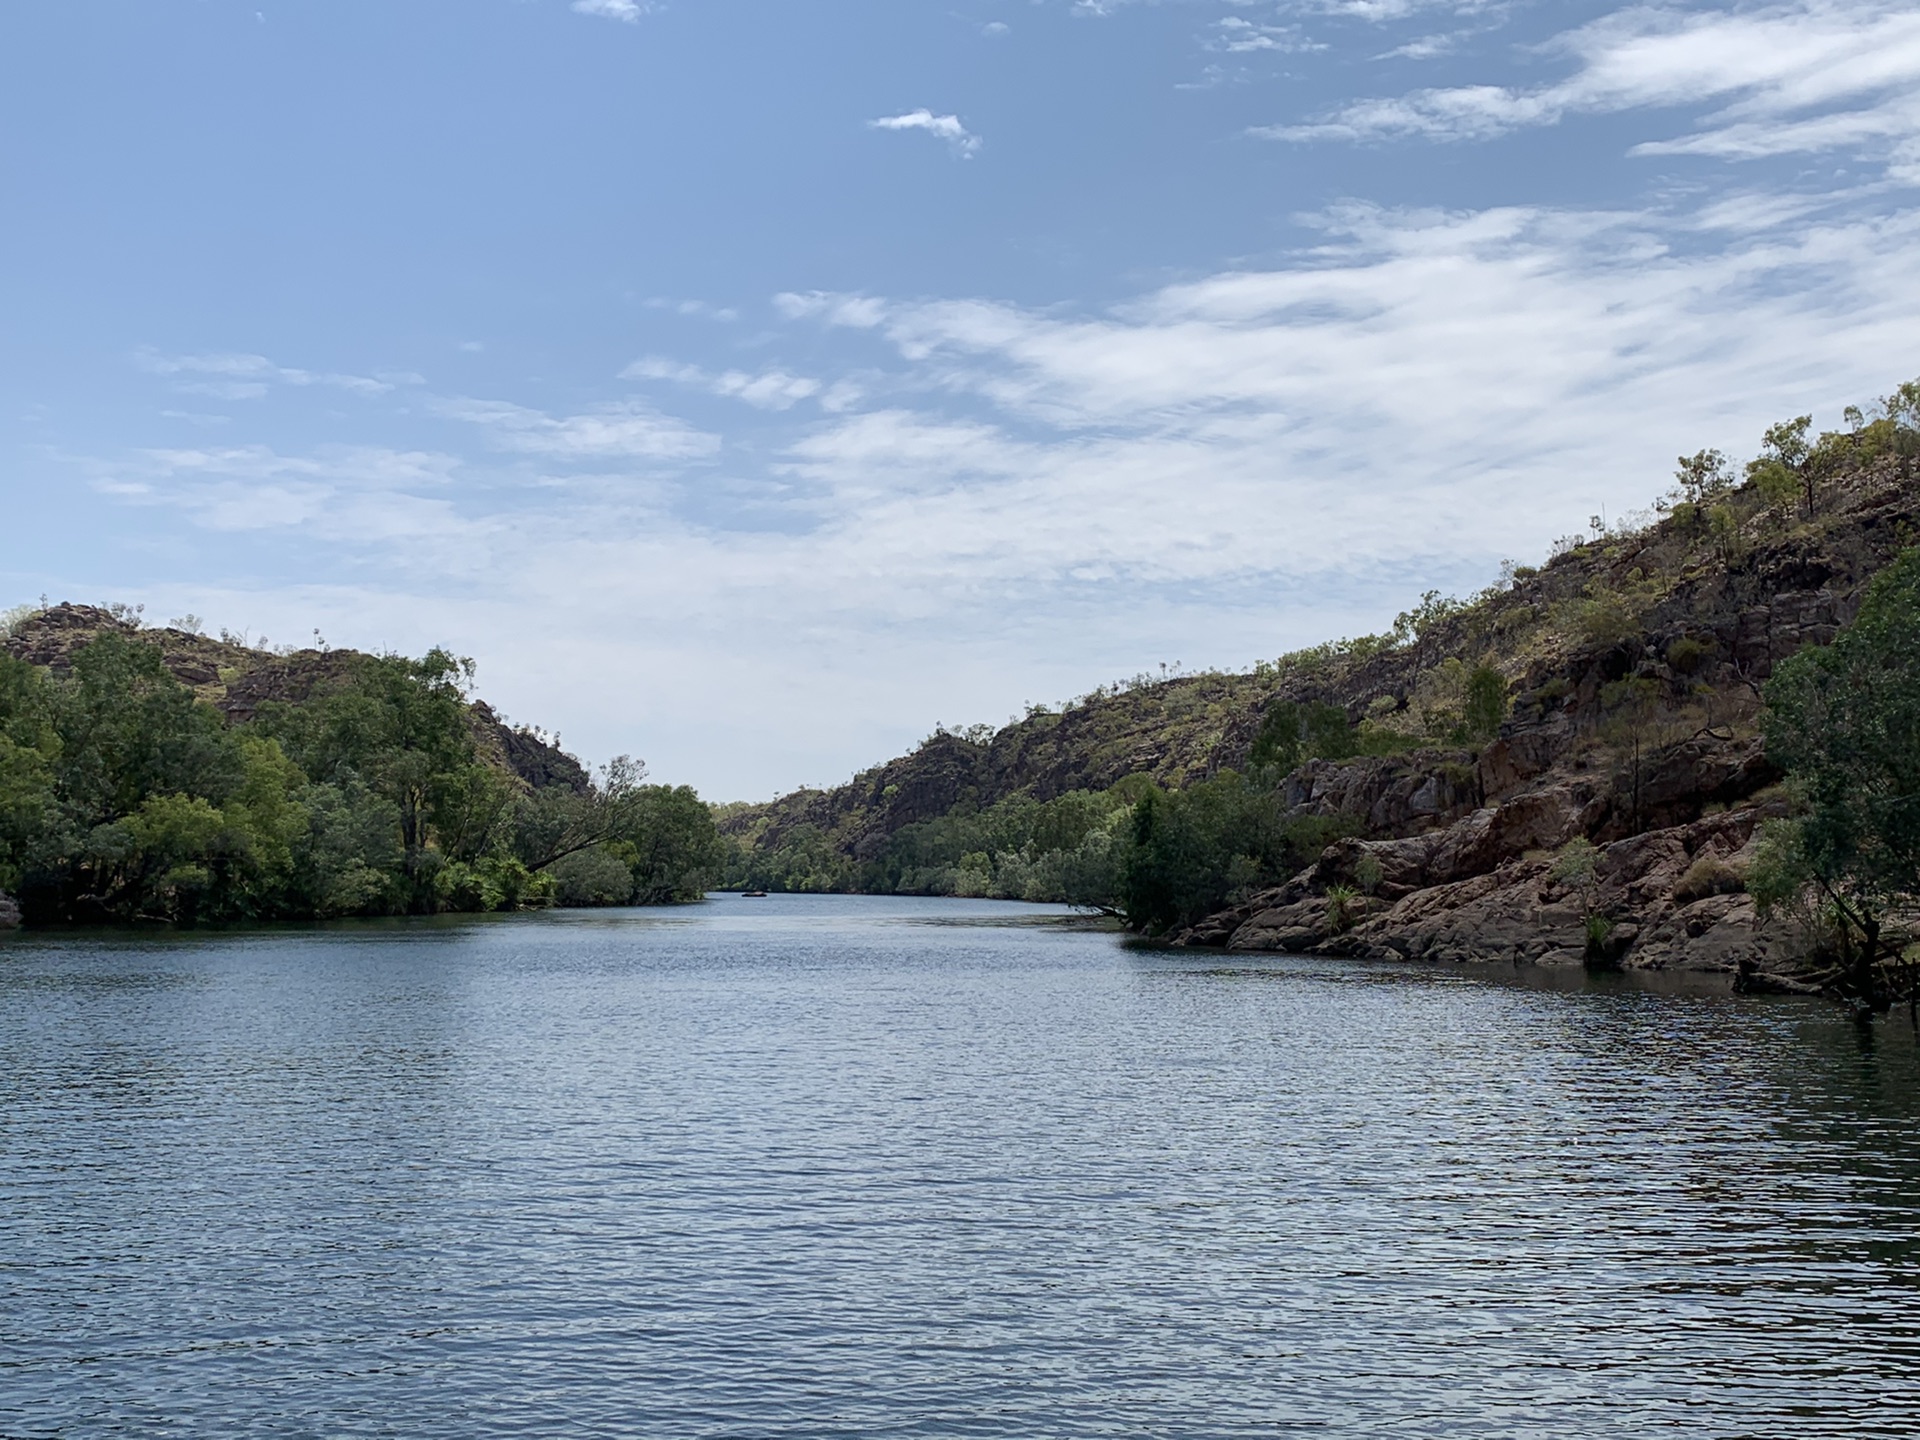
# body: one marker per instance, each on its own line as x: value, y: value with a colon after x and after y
x: 824, y: 1167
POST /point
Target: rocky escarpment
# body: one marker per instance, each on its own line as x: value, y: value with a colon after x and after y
x: 237, y: 679
x: 1488, y: 889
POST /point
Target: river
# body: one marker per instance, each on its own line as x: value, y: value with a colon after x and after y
x: 824, y: 1167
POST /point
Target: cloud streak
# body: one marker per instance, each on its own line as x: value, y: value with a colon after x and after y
x: 246, y: 377
x: 1788, y: 79
x: 768, y: 390
x: 626, y: 431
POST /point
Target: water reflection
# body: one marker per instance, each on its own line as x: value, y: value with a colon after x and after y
x: 822, y: 1166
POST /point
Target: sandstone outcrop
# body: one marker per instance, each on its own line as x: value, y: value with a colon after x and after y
x: 1481, y: 890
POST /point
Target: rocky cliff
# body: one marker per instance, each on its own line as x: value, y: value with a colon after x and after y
x: 1642, y: 743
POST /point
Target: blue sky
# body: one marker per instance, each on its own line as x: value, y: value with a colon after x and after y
x: 751, y: 386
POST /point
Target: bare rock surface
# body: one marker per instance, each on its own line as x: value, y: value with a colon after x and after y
x: 1481, y: 891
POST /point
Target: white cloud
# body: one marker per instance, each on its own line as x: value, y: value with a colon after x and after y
x: 767, y: 390
x: 1237, y: 36
x: 700, y: 308
x: 948, y: 127
x: 994, y: 29
x: 1804, y: 77
x: 1218, y: 470
x: 1426, y: 47
x: 630, y: 431
x: 860, y: 311
x: 353, y: 495
x: 627, y: 10
x: 247, y: 377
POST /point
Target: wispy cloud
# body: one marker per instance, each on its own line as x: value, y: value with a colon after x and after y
x: 346, y: 494
x: 959, y: 139
x: 768, y: 390
x: 1805, y: 77
x: 1239, y: 37
x: 247, y: 377
x: 614, y: 431
x: 698, y: 308
x: 627, y: 10
x: 1426, y: 47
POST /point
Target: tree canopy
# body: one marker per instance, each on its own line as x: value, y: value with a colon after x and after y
x: 124, y: 797
x: 1844, y: 721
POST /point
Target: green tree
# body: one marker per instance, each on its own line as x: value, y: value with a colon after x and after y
x: 1781, y: 472
x: 1193, y: 852
x: 403, y: 729
x: 1703, y: 476
x: 1486, y: 702
x: 29, y: 751
x: 673, y: 849
x: 1844, y: 721
x: 1276, y: 747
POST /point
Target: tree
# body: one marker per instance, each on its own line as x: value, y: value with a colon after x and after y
x: 673, y: 848
x: 554, y: 822
x: 1276, y: 747
x: 1486, y: 703
x: 1782, y: 468
x: 1703, y: 476
x: 1844, y: 721
x: 401, y: 727
x: 29, y: 749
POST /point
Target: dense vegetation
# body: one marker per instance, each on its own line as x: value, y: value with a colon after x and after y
x: 125, y: 796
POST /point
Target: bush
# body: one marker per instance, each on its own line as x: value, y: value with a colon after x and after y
x: 1707, y: 875
x: 1486, y: 704
x: 1196, y: 851
x: 1687, y: 655
x: 592, y: 877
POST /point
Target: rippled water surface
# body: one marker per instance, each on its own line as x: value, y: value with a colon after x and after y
x: 839, y: 1167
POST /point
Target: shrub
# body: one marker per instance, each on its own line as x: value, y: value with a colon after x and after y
x: 1599, y: 931
x: 592, y: 877
x: 1368, y: 873
x: 1687, y: 655
x: 1486, y: 703
x: 1344, y: 906
x: 1707, y: 875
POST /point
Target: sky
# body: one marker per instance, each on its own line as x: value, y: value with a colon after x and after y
x: 751, y: 386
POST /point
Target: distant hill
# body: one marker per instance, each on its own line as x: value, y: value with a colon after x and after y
x: 236, y: 679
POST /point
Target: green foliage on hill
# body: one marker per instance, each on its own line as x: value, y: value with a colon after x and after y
x: 125, y: 796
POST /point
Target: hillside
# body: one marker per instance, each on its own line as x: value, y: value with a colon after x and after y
x: 161, y: 776
x: 237, y: 679
x: 1624, y: 677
